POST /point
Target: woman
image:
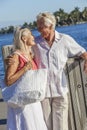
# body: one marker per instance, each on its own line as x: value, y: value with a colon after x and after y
x: 29, y: 117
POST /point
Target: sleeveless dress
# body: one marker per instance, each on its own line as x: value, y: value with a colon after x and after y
x: 29, y: 117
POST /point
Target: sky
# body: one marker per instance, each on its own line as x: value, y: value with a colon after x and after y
x: 16, y: 12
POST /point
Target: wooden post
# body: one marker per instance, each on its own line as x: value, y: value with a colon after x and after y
x: 77, y: 94
x: 6, y: 51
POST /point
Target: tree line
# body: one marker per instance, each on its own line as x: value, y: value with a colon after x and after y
x: 62, y: 18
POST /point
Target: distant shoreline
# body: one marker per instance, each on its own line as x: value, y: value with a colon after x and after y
x: 11, y: 30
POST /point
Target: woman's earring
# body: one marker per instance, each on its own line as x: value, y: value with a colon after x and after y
x: 24, y: 41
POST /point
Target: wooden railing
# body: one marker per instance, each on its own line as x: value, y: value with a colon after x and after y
x: 77, y: 84
x: 3, y: 113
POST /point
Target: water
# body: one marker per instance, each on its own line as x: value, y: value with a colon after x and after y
x: 78, y: 32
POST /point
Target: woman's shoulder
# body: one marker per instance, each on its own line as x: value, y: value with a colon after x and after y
x: 14, y: 55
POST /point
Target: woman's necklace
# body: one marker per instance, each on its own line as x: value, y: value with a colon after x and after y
x: 28, y: 56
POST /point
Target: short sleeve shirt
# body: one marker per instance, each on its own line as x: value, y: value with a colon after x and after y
x: 55, y: 59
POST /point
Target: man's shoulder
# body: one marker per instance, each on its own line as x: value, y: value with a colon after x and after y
x: 64, y: 35
x: 61, y: 35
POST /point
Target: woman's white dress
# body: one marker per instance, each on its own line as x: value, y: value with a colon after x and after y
x: 28, y: 118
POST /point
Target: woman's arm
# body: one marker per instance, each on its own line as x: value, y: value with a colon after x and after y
x: 11, y: 75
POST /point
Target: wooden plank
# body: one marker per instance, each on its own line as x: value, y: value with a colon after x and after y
x: 84, y: 82
x: 71, y: 64
x: 71, y: 114
x: 0, y: 94
x: 3, y: 110
x: 2, y: 127
x: 80, y: 94
x: 3, y: 113
x: 79, y: 82
x: 6, y: 51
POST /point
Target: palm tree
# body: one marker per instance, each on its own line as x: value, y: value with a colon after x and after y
x: 75, y: 15
x: 25, y: 24
x: 84, y: 14
x: 61, y: 16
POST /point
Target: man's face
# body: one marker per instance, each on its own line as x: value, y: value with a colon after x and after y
x: 43, y: 29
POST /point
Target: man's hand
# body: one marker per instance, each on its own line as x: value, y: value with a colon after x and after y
x: 9, y: 60
x: 85, y: 66
x: 84, y: 56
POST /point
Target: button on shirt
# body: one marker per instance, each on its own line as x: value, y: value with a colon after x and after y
x: 54, y: 59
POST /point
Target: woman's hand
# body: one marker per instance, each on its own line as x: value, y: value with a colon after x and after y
x: 28, y: 66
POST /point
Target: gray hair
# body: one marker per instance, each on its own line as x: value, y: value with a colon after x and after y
x: 18, y: 42
x: 48, y: 19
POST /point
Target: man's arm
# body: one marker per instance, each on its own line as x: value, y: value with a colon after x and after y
x: 9, y: 60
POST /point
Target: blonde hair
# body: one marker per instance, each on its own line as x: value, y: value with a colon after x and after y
x: 48, y: 19
x: 18, y: 42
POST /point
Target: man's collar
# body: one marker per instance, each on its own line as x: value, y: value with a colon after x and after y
x: 57, y: 36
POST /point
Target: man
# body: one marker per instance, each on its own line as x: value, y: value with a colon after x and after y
x: 52, y: 51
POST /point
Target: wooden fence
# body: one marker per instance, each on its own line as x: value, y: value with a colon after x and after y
x: 77, y: 83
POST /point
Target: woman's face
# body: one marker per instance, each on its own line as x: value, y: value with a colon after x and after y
x: 29, y: 39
